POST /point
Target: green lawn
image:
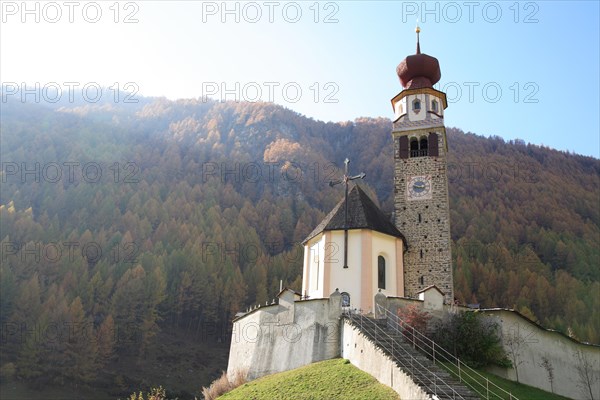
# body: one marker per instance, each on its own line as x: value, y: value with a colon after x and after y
x: 338, y: 379
x: 331, y: 379
x: 522, y: 392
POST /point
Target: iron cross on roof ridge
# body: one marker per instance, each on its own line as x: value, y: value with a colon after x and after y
x: 345, y: 180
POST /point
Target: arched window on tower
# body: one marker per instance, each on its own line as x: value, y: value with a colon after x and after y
x: 423, y: 147
x: 417, y: 105
x: 414, y: 147
x: 381, y: 272
x: 434, y: 106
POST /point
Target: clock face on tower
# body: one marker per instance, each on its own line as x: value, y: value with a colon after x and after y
x: 419, y: 187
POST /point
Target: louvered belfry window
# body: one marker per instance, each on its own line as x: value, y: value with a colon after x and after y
x: 403, y: 147
x: 433, y: 144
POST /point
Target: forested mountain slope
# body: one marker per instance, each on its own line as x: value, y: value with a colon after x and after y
x: 174, y: 215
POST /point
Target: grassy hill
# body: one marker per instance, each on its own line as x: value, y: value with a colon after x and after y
x: 331, y: 379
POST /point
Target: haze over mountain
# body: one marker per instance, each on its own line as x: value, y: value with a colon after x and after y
x: 167, y: 217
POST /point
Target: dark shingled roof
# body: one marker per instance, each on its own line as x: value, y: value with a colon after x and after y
x: 362, y: 214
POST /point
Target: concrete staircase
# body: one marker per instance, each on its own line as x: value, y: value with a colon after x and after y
x: 434, y: 380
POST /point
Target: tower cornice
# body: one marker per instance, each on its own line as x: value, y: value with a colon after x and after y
x: 425, y: 90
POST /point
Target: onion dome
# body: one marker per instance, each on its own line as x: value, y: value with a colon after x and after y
x: 419, y: 70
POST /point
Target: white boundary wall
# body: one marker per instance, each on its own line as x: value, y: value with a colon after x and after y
x: 285, y: 336
x: 537, y: 343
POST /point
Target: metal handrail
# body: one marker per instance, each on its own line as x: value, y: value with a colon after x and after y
x: 438, y: 383
x: 438, y: 353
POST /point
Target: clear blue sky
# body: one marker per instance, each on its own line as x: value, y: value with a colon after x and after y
x: 543, y: 56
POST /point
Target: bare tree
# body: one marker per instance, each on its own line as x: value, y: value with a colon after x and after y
x: 515, y: 344
x: 587, y: 375
x: 547, y: 365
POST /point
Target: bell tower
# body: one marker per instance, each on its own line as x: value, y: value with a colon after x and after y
x: 420, y: 178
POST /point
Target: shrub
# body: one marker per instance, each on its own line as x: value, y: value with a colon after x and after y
x: 414, y: 317
x: 471, y: 337
x: 154, y: 394
x: 7, y: 372
x: 223, y: 385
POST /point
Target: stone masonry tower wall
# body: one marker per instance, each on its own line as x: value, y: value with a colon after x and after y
x: 424, y: 222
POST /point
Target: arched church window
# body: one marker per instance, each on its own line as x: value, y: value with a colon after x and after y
x: 381, y: 272
x: 345, y: 299
x: 434, y: 105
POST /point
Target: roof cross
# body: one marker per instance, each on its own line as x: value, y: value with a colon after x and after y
x: 418, y: 30
x: 345, y: 180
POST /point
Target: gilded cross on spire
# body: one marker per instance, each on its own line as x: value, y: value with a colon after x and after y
x: 418, y: 30
x: 345, y: 180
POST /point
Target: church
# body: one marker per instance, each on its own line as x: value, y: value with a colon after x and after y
x: 357, y: 248
x: 358, y: 255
